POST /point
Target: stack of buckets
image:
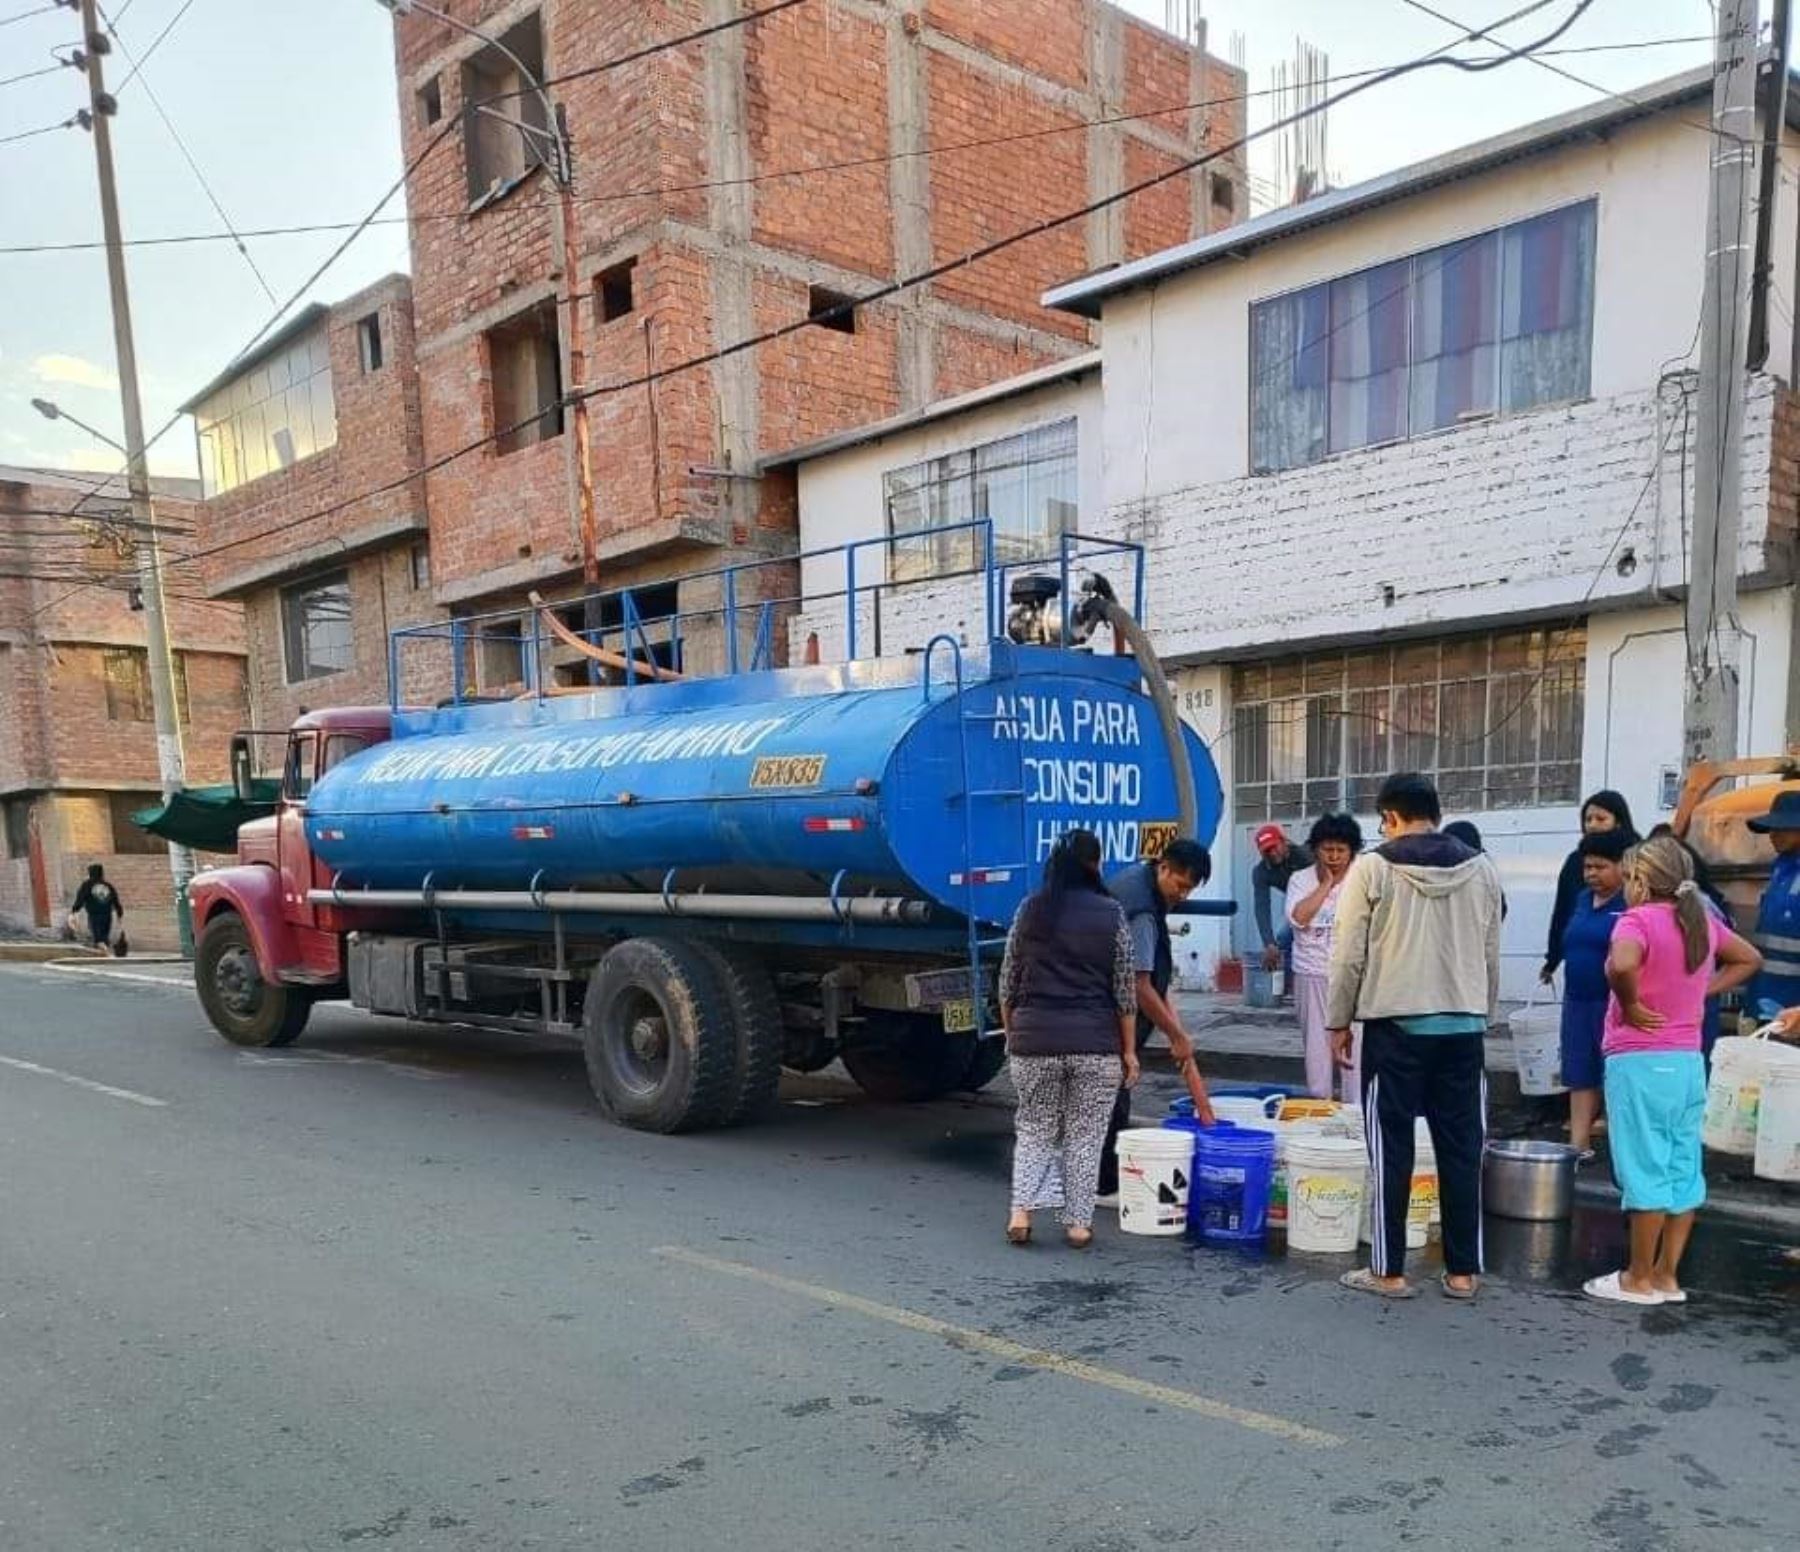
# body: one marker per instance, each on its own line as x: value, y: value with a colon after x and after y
x: 1251, y: 1174
x: 1753, y: 1104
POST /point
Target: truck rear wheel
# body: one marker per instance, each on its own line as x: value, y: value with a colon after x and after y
x: 902, y: 1058
x: 657, y: 1034
x: 242, y: 1006
x: 756, y: 1028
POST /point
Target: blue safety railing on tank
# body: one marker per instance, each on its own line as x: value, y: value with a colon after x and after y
x: 635, y: 635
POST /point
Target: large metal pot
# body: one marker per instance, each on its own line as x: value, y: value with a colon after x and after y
x: 1534, y: 1181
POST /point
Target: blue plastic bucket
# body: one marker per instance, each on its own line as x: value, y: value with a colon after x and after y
x: 1228, y: 1194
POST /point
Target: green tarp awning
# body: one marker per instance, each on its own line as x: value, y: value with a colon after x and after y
x: 207, y: 818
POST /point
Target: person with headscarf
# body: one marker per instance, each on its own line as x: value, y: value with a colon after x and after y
x: 1604, y: 810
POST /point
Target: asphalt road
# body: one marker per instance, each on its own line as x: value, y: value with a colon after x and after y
x: 400, y: 1288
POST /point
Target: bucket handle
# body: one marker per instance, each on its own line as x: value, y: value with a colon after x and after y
x: 1272, y: 1106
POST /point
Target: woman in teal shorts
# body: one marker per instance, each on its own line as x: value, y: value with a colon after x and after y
x: 1661, y: 969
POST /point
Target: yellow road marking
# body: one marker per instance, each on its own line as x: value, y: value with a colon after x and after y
x: 1013, y: 1352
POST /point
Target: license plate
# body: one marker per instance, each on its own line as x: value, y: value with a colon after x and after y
x: 959, y: 1016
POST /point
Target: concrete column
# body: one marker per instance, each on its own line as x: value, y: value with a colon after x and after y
x: 731, y: 211
x: 1106, y: 142
x: 909, y: 194
x: 1200, y: 122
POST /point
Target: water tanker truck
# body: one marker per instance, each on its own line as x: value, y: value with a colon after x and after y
x: 705, y: 880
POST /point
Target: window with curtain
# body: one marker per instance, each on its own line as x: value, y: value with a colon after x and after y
x: 1027, y: 485
x: 1495, y: 323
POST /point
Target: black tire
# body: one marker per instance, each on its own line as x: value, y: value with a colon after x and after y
x: 756, y: 1031
x: 985, y: 1064
x: 903, y: 1058
x: 657, y: 1034
x: 241, y: 1005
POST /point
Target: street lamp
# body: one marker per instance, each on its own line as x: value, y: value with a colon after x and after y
x: 52, y: 411
x: 561, y: 164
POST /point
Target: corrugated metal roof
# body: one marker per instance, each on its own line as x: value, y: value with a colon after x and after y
x: 1086, y: 296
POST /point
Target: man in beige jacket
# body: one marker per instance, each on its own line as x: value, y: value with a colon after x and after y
x: 1416, y: 958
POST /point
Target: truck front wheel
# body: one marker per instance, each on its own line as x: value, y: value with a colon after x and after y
x: 243, y: 1007
x: 657, y: 1033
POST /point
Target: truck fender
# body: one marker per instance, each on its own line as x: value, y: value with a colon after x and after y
x: 254, y: 893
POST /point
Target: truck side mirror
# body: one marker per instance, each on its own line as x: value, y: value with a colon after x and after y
x: 243, y: 770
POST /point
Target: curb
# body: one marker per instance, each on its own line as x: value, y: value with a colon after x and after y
x: 101, y: 970
x: 1733, y: 1209
x: 27, y: 953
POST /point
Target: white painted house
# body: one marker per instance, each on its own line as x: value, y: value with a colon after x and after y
x: 1412, y: 464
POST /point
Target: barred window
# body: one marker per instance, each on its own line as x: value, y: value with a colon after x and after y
x: 1494, y: 720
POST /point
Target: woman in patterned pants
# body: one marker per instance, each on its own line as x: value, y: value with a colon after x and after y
x: 1068, y: 1001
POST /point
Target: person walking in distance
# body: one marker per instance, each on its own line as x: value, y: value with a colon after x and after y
x: 1416, y: 957
x: 100, y: 902
x: 1668, y: 954
x: 1312, y: 897
x: 1147, y: 891
x: 1279, y: 860
x: 1068, y: 1004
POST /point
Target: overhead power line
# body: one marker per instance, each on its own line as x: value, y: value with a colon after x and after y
x: 25, y: 16
x: 786, y: 174
x: 1437, y: 57
x: 42, y: 129
x: 187, y: 156
x: 32, y: 75
x: 133, y: 73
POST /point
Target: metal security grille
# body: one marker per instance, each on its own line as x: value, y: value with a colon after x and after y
x: 1496, y: 720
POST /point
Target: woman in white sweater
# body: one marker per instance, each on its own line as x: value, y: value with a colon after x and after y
x: 1312, y: 896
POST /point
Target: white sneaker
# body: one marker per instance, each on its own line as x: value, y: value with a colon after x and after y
x: 1110, y: 1199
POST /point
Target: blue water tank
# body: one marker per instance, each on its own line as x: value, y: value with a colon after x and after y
x: 777, y: 782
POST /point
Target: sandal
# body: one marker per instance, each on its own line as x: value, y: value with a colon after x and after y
x: 1362, y: 1280
x: 1018, y: 1234
x: 1079, y: 1239
x: 1610, y: 1290
x: 1466, y: 1295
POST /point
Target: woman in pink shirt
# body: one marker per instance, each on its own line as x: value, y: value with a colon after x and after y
x: 1668, y: 955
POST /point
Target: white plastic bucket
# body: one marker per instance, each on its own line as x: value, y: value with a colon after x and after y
x: 1155, y: 1166
x: 1279, y: 1182
x: 1537, y: 1047
x: 1244, y: 1110
x: 1740, y: 1067
x: 1421, y: 1204
x: 1778, y: 1126
x: 1325, y: 1192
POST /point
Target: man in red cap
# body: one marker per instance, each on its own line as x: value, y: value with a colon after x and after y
x: 1280, y: 860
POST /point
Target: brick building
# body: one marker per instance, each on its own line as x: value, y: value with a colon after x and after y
x: 311, y: 517
x: 734, y: 184
x: 77, y: 734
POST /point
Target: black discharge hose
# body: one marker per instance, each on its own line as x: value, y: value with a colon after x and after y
x: 1099, y: 603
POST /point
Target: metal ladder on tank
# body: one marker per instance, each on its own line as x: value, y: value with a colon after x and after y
x: 973, y: 874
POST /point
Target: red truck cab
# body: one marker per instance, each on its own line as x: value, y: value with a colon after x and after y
x: 264, y: 952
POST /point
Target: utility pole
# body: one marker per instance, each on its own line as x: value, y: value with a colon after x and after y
x: 1710, y: 723
x: 146, y: 541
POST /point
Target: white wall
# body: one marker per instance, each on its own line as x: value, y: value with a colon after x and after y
x: 1177, y: 354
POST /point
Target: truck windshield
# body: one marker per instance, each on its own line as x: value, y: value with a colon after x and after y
x: 339, y: 747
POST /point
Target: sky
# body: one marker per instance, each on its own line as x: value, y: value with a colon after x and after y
x: 288, y: 110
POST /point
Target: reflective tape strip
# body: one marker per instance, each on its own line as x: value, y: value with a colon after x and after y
x: 534, y: 832
x: 833, y: 826
x: 985, y: 876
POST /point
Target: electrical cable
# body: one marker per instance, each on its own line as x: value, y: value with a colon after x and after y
x: 32, y: 75
x: 780, y: 174
x: 188, y: 157
x: 168, y: 27
x: 934, y: 272
x: 42, y: 129
x: 25, y: 16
